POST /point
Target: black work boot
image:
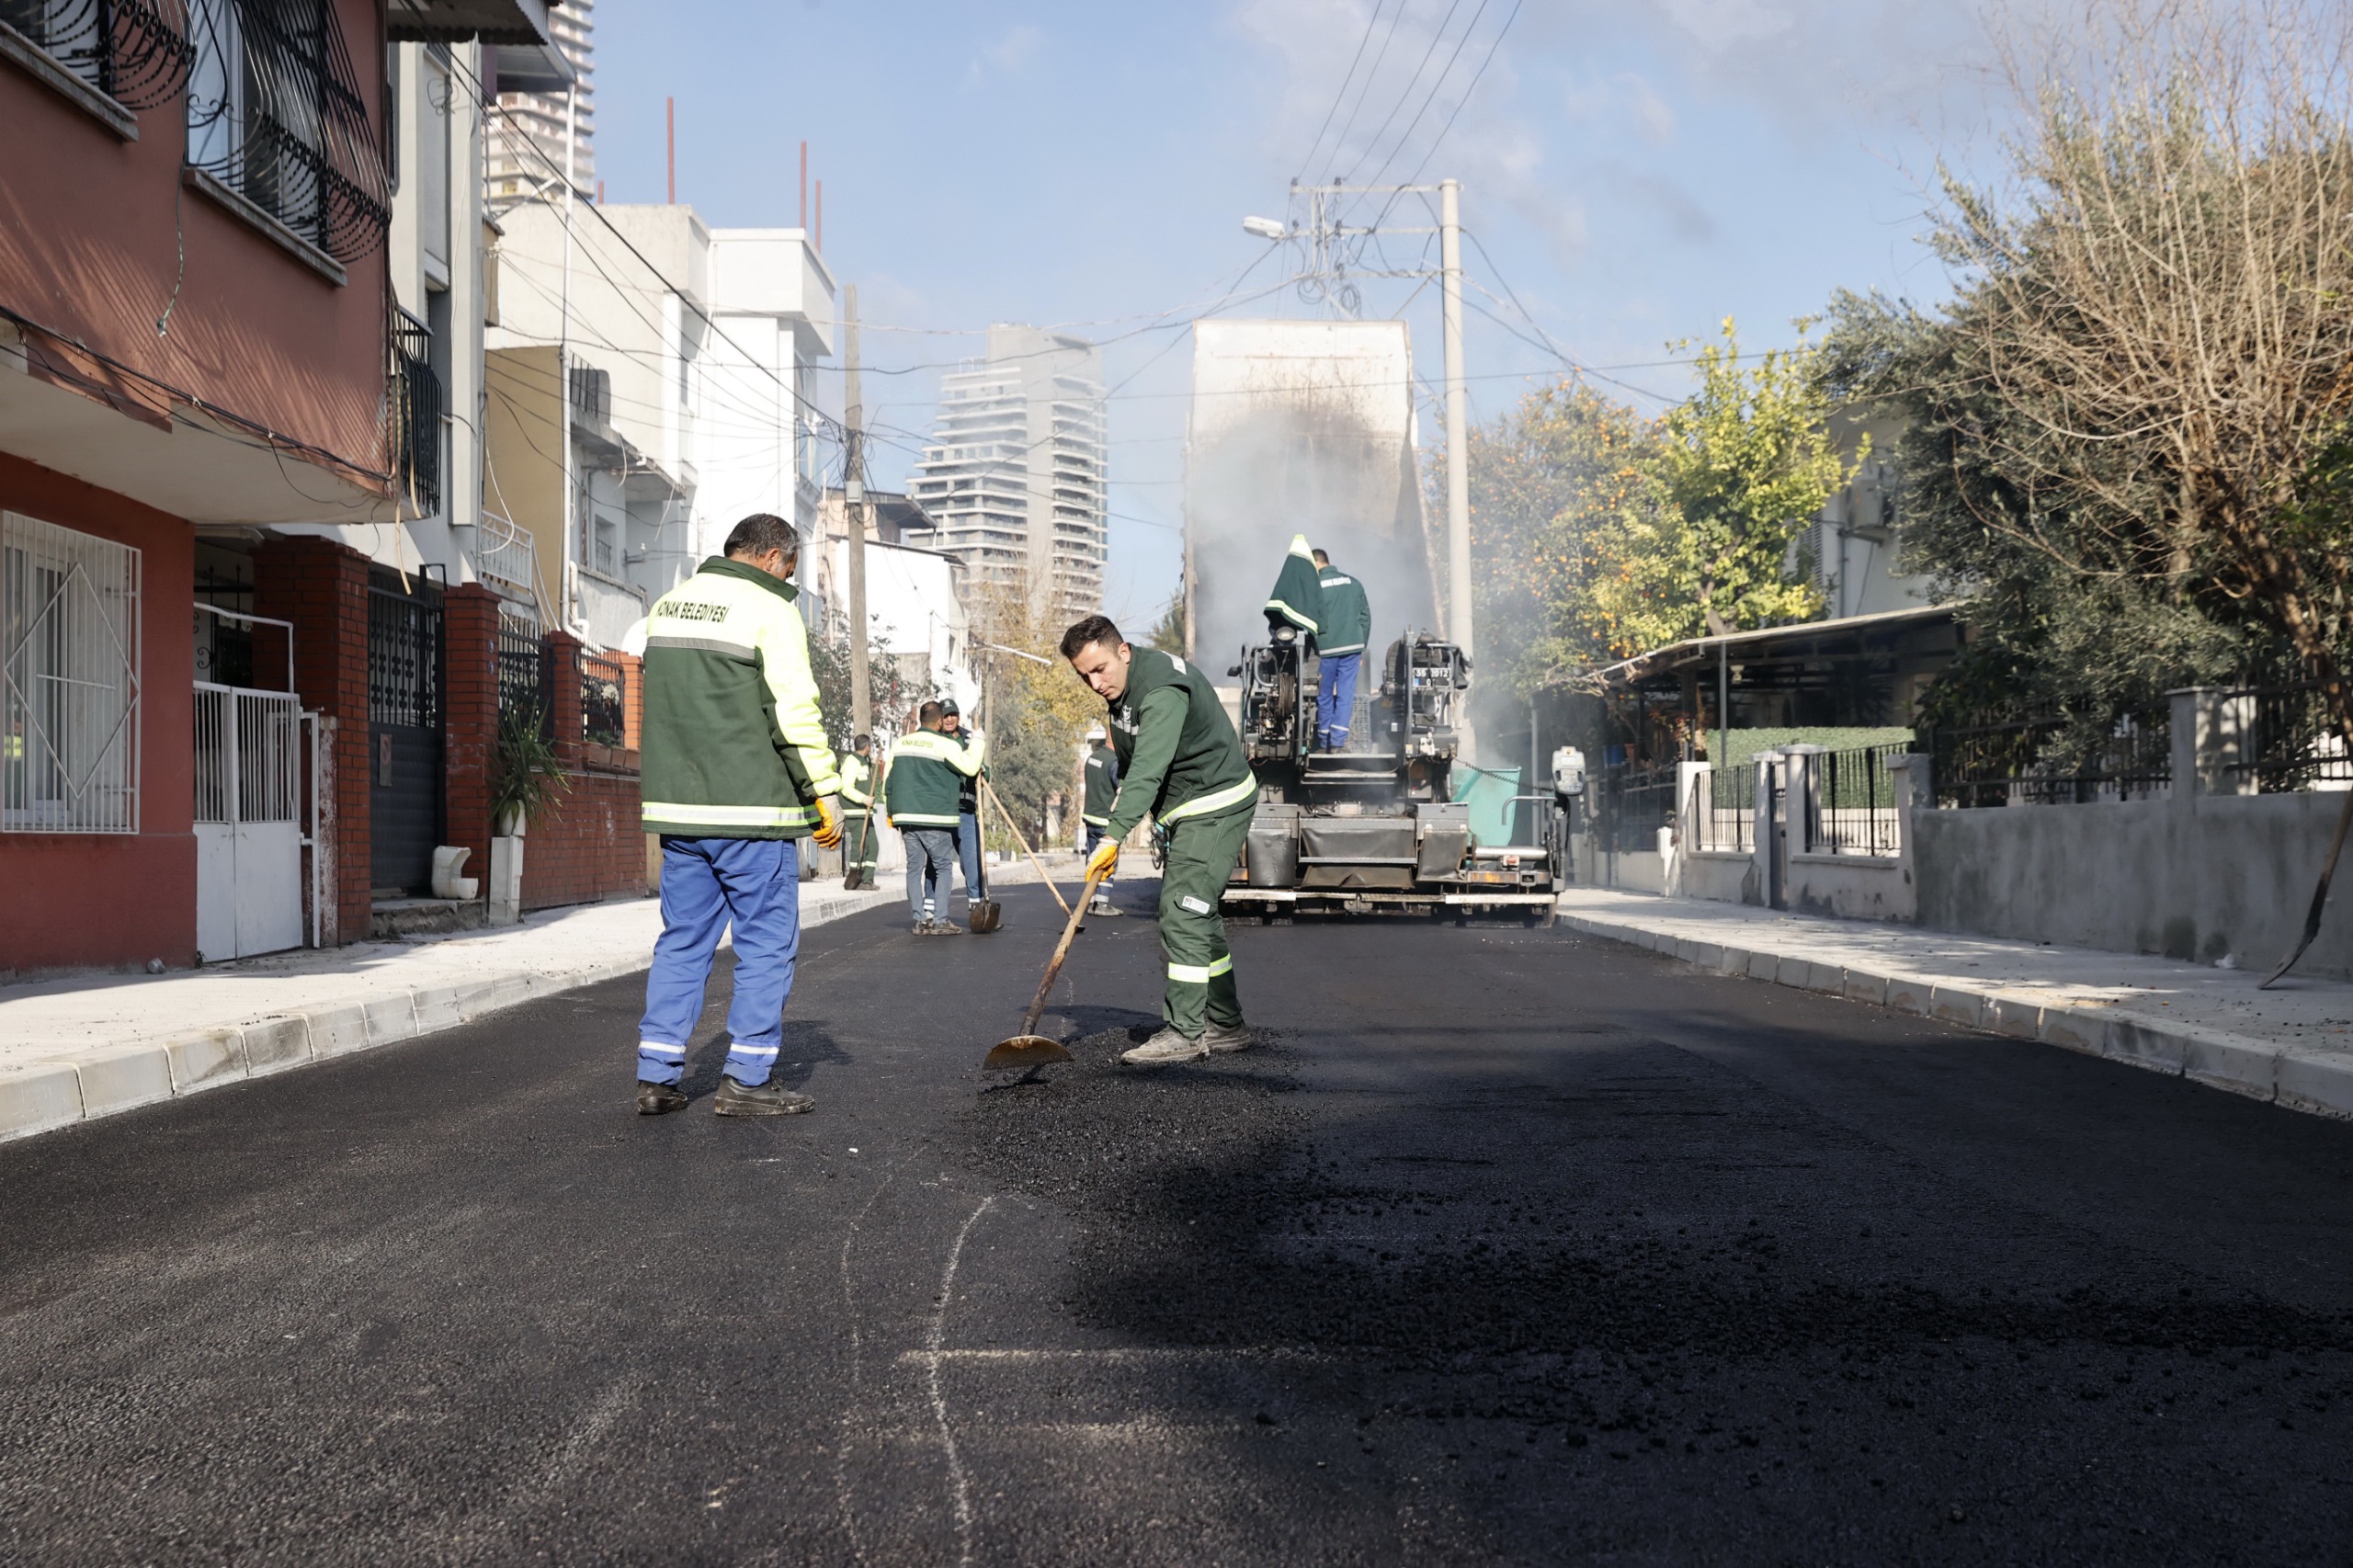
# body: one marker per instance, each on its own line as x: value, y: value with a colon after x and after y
x: 768, y: 1099
x: 1223, y: 1038
x: 656, y: 1099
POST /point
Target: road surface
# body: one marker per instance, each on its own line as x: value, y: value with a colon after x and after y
x: 1511, y: 1246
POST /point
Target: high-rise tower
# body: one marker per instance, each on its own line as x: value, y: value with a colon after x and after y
x: 1014, y: 474
x: 515, y: 169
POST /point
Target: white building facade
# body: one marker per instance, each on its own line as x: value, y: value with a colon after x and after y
x: 1016, y: 472
x: 761, y: 445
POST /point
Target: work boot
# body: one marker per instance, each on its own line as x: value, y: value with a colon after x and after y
x: 946, y: 928
x: 656, y: 1099
x: 768, y: 1099
x: 1103, y: 906
x: 1227, y: 1037
x: 922, y: 928
x: 1164, y: 1048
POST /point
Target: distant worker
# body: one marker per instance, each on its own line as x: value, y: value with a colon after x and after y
x: 1298, y: 599
x: 1102, y: 789
x: 919, y: 787
x: 1340, y: 636
x: 859, y: 845
x: 1181, y: 763
x: 968, y: 795
x: 736, y: 771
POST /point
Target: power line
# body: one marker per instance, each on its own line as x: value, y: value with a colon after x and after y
x: 1413, y: 81
x: 1371, y: 22
x: 1428, y: 99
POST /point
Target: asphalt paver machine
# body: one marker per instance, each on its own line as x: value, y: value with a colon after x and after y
x: 1379, y: 830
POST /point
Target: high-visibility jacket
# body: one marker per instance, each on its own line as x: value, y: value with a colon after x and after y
x: 858, y: 781
x: 1102, y: 785
x: 1347, y: 620
x: 1177, y: 751
x: 923, y: 776
x: 1299, y: 594
x: 734, y: 746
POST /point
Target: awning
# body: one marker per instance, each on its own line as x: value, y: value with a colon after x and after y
x: 1769, y: 643
x: 522, y: 22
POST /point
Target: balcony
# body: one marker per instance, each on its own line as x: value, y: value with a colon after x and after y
x: 416, y: 413
x: 504, y: 557
x: 606, y: 608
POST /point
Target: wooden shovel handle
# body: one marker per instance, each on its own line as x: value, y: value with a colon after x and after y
x: 1062, y: 952
x: 1025, y: 846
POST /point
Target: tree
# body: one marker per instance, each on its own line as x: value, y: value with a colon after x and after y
x: 1167, y: 633
x: 895, y: 693
x: 1740, y: 469
x: 1036, y: 711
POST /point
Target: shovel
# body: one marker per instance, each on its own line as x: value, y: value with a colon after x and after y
x: 1029, y: 1049
x: 981, y: 913
x: 855, y: 877
x: 1025, y: 846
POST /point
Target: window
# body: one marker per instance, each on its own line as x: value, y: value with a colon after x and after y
x: 69, y: 680
x: 135, y: 52
x: 275, y: 115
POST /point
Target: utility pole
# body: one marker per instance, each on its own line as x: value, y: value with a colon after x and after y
x: 861, y: 691
x: 567, y: 612
x: 1458, y: 470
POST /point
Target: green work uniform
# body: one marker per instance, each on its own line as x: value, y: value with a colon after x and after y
x: 1102, y: 785
x: 1298, y: 597
x: 861, y: 842
x: 1181, y: 763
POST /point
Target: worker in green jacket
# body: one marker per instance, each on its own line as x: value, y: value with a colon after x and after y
x: 1095, y: 811
x: 1181, y: 763
x: 922, y: 780
x: 1340, y: 636
x: 1298, y: 598
x: 734, y: 772
x: 859, y: 845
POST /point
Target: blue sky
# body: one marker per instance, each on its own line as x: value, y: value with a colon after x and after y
x: 1635, y: 170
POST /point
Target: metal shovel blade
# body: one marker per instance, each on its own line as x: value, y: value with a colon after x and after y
x: 983, y: 915
x: 1025, y: 1050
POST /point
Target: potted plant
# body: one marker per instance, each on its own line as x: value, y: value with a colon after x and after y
x: 527, y: 777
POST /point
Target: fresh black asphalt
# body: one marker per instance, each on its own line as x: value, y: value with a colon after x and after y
x: 1511, y: 1246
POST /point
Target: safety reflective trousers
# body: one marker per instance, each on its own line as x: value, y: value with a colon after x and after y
x: 1202, y: 852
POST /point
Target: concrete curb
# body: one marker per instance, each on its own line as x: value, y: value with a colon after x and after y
x: 83, y: 1085
x: 2302, y: 1079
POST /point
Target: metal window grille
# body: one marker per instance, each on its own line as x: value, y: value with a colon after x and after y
x: 248, y: 755
x: 2288, y: 740
x: 416, y: 409
x: 69, y: 680
x: 2048, y: 762
x: 135, y: 52
x: 1850, y: 802
x: 1728, y: 814
x: 522, y: 674
x: 404, y: 661
x: 1635, y: 803
x: 603, y: 700
x: 275, y: 114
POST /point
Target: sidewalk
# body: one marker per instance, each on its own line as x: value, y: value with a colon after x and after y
x: 2293, y: 1045
x: 86, y: 1046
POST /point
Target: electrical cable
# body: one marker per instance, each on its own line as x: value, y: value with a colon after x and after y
x: 1371, y: 22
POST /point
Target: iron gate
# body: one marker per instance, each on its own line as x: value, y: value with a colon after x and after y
x: 404, y: 740
x: 248, y: 827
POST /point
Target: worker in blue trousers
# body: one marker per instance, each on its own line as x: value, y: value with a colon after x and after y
x: 968, y: 794
x: 735, y: 771
x: 1341, y: 629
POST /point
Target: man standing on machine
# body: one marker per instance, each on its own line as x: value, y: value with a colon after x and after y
x: 1340, y: 634
x: 1102, y: 789
x: 858, y: 848
x: 1181, y: 763
x: 919, y: 787
x: 1298, y: 599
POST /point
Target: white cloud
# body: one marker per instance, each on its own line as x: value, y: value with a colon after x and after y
x: 1009, y: 56
x: 1723, y: 24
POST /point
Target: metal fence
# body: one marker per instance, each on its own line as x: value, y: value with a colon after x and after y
x: 603, y: 700
x: 1850, y: 802
x: 248, y: 755
x: 2288, y: 740
x: 1635, y: 803
x: 1728, y: 813
x: 404, y: 661
x: 2045, y: 762
x: 416, y: 407
x: 522, y: 673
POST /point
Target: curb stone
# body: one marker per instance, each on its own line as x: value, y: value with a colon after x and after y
x: 82, y: 1086
x: 2299, y: 1079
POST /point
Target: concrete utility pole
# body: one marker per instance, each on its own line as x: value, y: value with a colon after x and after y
x: 1458, y: 470
x: 861, y: 690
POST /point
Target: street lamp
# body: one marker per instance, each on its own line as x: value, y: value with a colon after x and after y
x: 996, y: 648
x: 1265, y: 228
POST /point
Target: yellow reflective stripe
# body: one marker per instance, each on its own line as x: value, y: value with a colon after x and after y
x: 731, y: 816
x: 922, y: 820
x: 1216, y: 800
x: 1304, y: 622
x: 1201, y: 973
x: 1095, y: 822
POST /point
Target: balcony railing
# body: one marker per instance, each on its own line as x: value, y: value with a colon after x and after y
x: 504, y: 555
x: 135, y: 52
x: 416, y: 410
